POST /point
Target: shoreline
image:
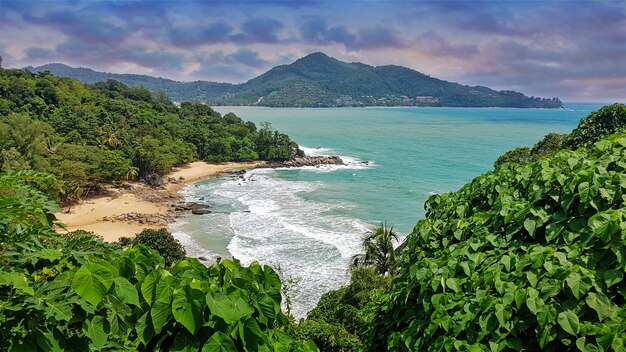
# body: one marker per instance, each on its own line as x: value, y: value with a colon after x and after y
x: 107, y: 215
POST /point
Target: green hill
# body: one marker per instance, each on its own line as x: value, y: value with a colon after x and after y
x: 178, y: 91
x: 89, y: 135
x: 318, y: 80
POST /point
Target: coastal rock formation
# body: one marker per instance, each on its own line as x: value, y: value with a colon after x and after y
x: 194, y: 208
x: 307, y: 161
x: 148, y: 219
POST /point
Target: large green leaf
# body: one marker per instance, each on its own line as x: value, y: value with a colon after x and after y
x: 144, y: 328
x: 97, y: 329
x: 125, y: 291
x: 60, y: 311
x: 50, y: 254
x: 184, y: 342
x: 601, y: 304
x: 613, y: 277
x: 569, y: 322
x: 578, y: 284
x: 187, y: 307
x: 604, y: 225
x: 219, y: 342
x: 46, y: 341
x: 250, y: 333
x: 160, y: 312
x: 228, y: 308
x: 148, y: 285
x: 92, y: 281
x: 17, y: 280
x: 267, y: 306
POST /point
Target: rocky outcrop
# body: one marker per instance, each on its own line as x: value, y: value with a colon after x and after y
x: 307, y: 161
x: 194, y: 208
x: 153, y: 180
x: 148, y: 219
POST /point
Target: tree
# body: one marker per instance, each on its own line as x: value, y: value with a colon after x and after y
x: 609, y: 119
x: 550, y: 144
x: 380, y: 250
x: 160, y: 240
x: 519, y: 156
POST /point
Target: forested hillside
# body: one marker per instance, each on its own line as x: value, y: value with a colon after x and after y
x: 317, y: 80
x: 196, y: 91
x: 108, y: 132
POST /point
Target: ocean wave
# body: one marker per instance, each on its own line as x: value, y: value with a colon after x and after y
x: 270, y: 220
x: 277, y: 226
x: 350, y: 162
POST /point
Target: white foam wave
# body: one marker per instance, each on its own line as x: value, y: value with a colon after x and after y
x: 350, y: 162
x: 319, y: 151
x: 270, y: 220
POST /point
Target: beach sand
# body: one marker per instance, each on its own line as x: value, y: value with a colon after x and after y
x: 88, y: 215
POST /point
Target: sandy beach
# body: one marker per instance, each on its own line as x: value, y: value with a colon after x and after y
x: 98, y: 214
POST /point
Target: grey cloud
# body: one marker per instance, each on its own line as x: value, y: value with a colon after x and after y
x: 258, y: 30
x: 433, y: 43
x: 192, y: 35
x: 317, y: 31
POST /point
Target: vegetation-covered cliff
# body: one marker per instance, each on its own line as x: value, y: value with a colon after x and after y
x: 108, y: 132
x: 317, y: 80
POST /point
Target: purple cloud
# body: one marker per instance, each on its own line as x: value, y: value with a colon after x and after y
x: 258, y: 30
x: 317, y: 31
x: 570, y: 49
x: 433, y: 44
x: 82, y: 28
x: 192, y: 35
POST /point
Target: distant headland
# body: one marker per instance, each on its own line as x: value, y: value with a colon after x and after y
x: 318, y: 80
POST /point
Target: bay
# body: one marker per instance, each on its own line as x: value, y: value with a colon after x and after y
x: 308, y: 222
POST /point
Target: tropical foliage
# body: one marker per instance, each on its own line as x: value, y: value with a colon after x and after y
x: 381, y: 246
x: 109, y: 133
x: 75, y: 292
x: 598, y: 124
x: 340, y: 321
x: 527, y: 257
x: 161, y: 241
x: 601, y: 123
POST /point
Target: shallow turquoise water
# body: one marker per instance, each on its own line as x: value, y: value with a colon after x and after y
x: 309, y: 221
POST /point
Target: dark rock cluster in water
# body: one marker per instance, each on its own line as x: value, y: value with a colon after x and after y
x: 194, y: 208
x: 307, y: 161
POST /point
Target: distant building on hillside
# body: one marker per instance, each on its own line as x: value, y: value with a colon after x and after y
x: 0, y: 62
x: 426, y: 99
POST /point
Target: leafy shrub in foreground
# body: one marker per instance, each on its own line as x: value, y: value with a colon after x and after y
x: 74, y: 292
x: 525, y: 258
x: 338, y: 322
x: 160, y: 240
x: 609, y: 119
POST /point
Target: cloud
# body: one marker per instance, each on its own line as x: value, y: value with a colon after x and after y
x: 317, y: 31
x: 258, y: 30
x: 101, y: 55
x: 538, y: 47
x: 193, y: 35
x: 249, y: 58
x: 79, y: 27
x: 433, y: 44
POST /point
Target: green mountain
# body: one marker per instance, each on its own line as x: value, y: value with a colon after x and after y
x: 195, y: 91
x: 318, y: 80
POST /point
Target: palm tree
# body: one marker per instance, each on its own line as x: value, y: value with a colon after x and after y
x: 380, y: 253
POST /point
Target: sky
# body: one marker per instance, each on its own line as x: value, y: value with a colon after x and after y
x: 575, y: 50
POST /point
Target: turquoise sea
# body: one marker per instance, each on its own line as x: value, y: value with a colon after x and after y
x: 308, y: 222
